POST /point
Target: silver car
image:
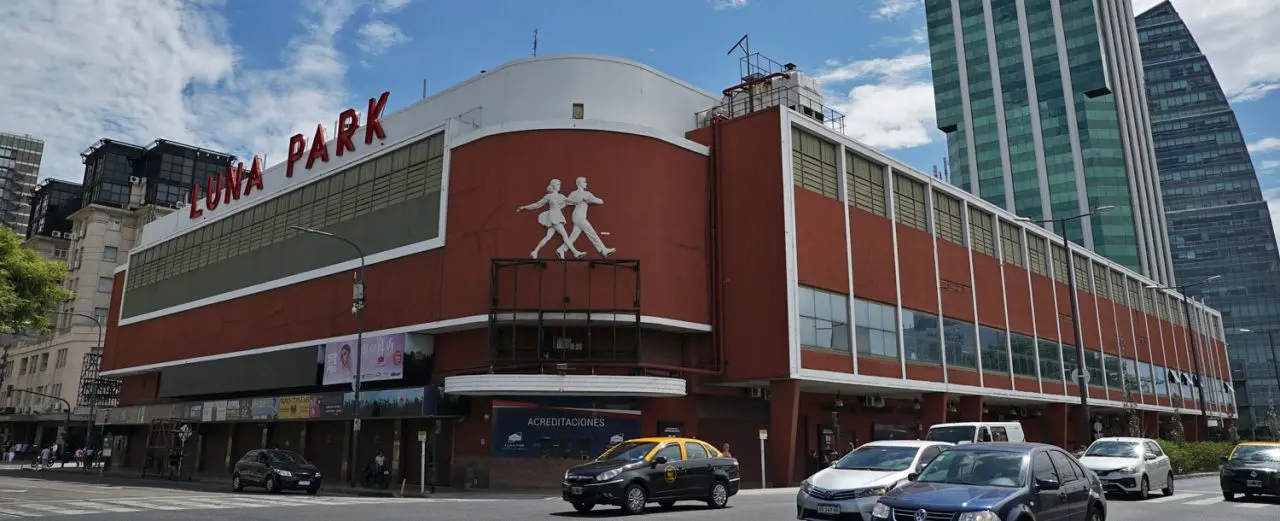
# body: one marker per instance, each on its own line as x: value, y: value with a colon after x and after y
x: 856, y: 482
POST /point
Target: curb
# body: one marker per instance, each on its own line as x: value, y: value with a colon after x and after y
x: 1195, y: 475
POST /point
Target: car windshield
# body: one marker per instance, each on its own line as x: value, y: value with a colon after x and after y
x: 1113, y: 449
x: 1269, y: 453
x: 627, y: 451
x: 878, y: 458
x: 976, y: 467
x: 284, y: 456
x: 951, y: 434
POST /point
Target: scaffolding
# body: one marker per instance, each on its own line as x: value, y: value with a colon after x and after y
x: 95, y: 390
x: 167, y: 454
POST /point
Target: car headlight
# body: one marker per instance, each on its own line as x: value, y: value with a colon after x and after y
x: 608, y: 475
x: 984, y: 515
x: 1228, y: 472
x: 870, y: 492
x: 566, y: 475
x: 1128, y: 470
x: 805, y: 486
x: 881, y: 511
x: 284, y: 473
x: 317, y: 475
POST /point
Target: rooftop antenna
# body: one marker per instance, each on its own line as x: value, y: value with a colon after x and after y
x: 744, y: 43
x: 535, y: 41
x: 424, y: 88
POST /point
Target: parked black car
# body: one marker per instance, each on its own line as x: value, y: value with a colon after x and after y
x: 1252, y: 469
x: 997, y: 481
x: 275, y: 470
x: 634, y: 473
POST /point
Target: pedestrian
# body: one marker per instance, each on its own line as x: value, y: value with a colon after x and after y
x: 45, y: 453
x: 813, y: 464
x: 724, y: 449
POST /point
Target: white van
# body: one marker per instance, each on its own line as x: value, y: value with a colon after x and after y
x: 977, y: 432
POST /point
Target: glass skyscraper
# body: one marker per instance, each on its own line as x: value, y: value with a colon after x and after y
x: 1044, y: 111
x: 1219, y: 223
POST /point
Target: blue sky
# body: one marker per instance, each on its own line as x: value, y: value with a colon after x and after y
x: 242, y: 75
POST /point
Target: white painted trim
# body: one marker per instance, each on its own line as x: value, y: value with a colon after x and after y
x: 582, y: 124
x: 563, y: 385
x: 930, y: 219
x: 445, y: 178
x: 1097, y: 319
x: 842, y: 167
x: 973, y: 279
x: 891, y: 207
x: 383, y: 256
x: 789, y: 242
x: 120, y: 268
x: 438, y: 326
x: 621, y: 318
x: 895, y: 384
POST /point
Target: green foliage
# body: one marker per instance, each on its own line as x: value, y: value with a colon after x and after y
x: 1131, y: 417
x: 30, y: 286
x: 1192, y: 457
x: 1179, y: 430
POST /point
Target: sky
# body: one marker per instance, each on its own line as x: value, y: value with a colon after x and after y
x: 243, y: 75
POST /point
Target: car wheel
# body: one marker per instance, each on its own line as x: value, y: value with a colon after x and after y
x: 270, y: 485
x: 1168, y: 489
x: 236, y: 485
x: 583, y: 507
x: 666, y: 504
x: 634, y: 499
x: 1228, y: 495
x: 719, y: 495
x: 1144, y: 489
x: 1095, y: 514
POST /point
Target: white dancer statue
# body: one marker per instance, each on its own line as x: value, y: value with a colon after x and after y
x: 552, y: 218
x: 581, y: 199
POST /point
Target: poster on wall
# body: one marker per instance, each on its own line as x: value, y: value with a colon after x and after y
x: 524, y: 429
x: 215, y: 411
x: 239, y: 410
x: 294, y: 407
x: 382, y: 359
x: 389, y: 403
x: 263, y: 408
x: 331, y: 406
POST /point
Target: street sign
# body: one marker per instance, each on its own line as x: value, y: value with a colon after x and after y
x: 422, y: 435
x: 1075, y: 376
x: 764, y: 434
x: 184, y: 432
x: 356, y: 425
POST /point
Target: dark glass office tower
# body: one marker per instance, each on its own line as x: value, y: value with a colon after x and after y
x: 1045, y: 115
x: 1219, y: 223
x: 19, y: 167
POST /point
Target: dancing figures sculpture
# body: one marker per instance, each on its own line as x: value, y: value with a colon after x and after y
x: 581, y: 199
x: 552, y: 219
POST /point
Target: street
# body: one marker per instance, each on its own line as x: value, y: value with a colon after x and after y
x: 20, y: 498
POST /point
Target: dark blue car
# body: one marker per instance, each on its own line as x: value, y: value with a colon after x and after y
x: 997, y: 482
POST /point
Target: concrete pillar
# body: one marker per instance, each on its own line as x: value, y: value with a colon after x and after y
x: 266, y: 435
x: 970, y: 409
x: 1056, y: 424
x: 226, y: 462
x: 784, y: 418
x: 933, y: 410
x: 397, y: 428
x: 302, y: 440
x: 346, y: 454
x: 1150, y: 424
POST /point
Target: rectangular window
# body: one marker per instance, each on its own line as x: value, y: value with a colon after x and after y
x: 982, y: 233
x: 1023, y: 349
x: 948, y: 218
x: 1050, y: 365
x: 866, y: 184
x: 920, y: 340
x: 1059, y: 263
x: 114, y: 224
x: 101, y: 315
x: 960, y: 342
x: 995, y: 351
x: 109, y: 253
x: 909, y: 203
x: 1117, y: 286
x: 104, y: 284
x: 1083, y: 280
x: 61, y: 360
x: 1035, y: 250
x: 877, y: 328
x: 44, y: 362
x: 813, y: 163
x: 824, y: 319
x: 1011, y: 243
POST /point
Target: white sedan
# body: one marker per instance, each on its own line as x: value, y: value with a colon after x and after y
x: 1130, y: 466
x: 854, y: 484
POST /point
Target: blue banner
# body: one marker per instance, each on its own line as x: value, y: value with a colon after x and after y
x: 531, y: 430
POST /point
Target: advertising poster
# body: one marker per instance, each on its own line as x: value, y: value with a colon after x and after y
x: 332, y: 406
x: 239, y: 410
x: 294, y: 407
x: 390, y: 403
x: 523, y: 429
x: 382, y: 359
x: 215, y: 411
x: 263, y: 408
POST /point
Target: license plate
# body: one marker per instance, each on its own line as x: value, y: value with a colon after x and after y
x: 829, y: 510
x: 1254, y: 483
x: 304, y: 483
x: 577, y: 491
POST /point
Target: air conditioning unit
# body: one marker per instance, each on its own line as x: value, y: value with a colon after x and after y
x: 874, y: 402
x: 56, y: 234
x: 135, y: 180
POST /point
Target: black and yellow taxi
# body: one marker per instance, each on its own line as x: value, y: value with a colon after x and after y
x: 637, y: 472
x: 1252, y: 469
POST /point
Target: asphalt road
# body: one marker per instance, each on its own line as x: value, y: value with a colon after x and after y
x: 22, y: 498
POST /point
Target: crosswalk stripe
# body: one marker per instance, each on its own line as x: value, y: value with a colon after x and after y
x: 101, y: 506
x: 199, y: 502
x: 142, y: 504
x: 1255, y: 505
x: 1209, y: 501
x: 1175, y: 497
x: 12, y: 512
x: 52, y: 509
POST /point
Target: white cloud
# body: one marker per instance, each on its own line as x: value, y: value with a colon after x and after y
x: 378, y: 36
x: 1268, y: 165
x: 389, y: 6
x: 1264, y: 145
x: 138, y: 70
x: 1238, y: 38
x: 728, y: 4
x: 887, y: 102
x: 894, y: 8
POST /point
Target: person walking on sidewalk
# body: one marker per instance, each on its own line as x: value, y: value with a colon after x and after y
x: 44, y: 457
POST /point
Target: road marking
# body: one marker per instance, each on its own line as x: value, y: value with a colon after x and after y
x: 11, y: 491
x: 1255, y: 505
x: 55, y: 510
x: 1175, y: 497
x: 101, y: 506
x: 143, y: 504
x: 1209, y: 501
x: 13, y: 513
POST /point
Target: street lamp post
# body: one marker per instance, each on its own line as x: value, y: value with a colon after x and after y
x: 1275, y: 366
x: 1086, y: 420
x: 357, y: 308
x: 93, y: 394
x: 1193, y: 345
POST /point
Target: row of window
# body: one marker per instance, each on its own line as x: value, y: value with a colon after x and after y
x: 39, y: 363
x: 816, y: 168
x: 410, y: 172
x: 823, y: 324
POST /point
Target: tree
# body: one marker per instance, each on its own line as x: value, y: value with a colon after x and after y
x: 1271, y: 420
x: 30, y: 286
x: 1132, y: 417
